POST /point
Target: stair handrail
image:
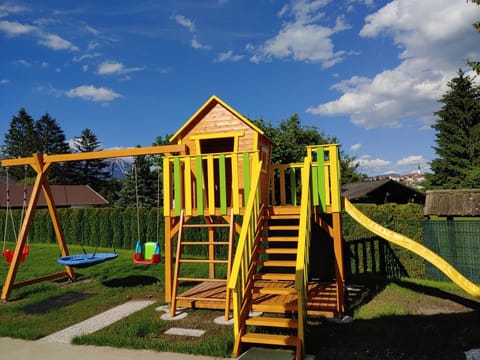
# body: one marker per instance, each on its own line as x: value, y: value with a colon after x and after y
x: 244, y: 251
x: 303, y: 250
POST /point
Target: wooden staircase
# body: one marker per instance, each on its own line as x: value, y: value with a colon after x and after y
x: 272, y: 284
x: 208, y: 286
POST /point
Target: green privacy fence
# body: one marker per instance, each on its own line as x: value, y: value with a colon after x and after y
x: 458, y: 242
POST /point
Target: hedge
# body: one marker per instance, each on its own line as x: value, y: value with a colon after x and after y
x: 117, y: 228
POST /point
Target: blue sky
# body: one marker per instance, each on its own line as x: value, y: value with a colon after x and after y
x: 369, y: 72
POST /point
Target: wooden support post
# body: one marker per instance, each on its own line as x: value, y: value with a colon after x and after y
x: 168, y: 258
x: 41, y: 182
x: 339, y: 268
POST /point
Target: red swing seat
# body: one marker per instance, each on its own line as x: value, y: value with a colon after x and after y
x: 8, y: 254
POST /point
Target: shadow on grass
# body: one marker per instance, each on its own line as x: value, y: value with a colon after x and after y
x: 131, y: 281
x: 440, y: 336
x: 56, y: 302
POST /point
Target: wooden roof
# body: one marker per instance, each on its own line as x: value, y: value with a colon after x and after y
x: 204, y: 109
x: 63, y: 195
x: 381, y: 191
x: 453, y: 202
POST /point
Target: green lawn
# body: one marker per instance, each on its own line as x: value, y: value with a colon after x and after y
x: 401, y: 319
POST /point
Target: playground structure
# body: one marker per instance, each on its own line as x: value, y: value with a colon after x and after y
x: 272, y: 233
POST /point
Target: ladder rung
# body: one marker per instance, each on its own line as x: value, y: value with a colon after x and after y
x: 205, y: 225
x: 203, y: 279
x: 193, y: 298
x: 205, y: 243
x: 272, y: 322
x: 203, y: 261
x: 270, y: 339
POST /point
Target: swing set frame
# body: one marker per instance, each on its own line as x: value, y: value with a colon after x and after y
x: 41, y: 163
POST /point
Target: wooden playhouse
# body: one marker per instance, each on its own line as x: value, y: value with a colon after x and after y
x: 266, y: 218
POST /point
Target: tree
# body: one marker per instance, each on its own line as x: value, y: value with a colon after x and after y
x: 139, y: 186
x: 458, y: 145
x: 51, y: 140
x: 475, y: 64
x: 91, y: 172
x: 291, y: 139
x: 20, y: 141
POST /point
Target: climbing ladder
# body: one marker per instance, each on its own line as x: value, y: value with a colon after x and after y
x: 273, y: 292
x: 207, y: 287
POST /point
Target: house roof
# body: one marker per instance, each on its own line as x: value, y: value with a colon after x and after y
x: 63, y: 195
x: 453, y: 202
x: 380, y: 191
x: 212, y: 102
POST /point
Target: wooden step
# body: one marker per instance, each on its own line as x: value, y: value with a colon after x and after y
x: 275, y: 307
x: 270, y: 339
x: 282, y: 227
x: 278, y: 251
x: 274, y: 291
x: 272, y: 322
x: 205, y: 243
x: 273, y: 276
x: 277, y: 263
x: 282, y: 238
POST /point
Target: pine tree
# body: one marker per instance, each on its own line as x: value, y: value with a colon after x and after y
x: 20, y: 141
x: 91, y: 172
x: 51, y: 140
x: 458, y: 145
x: 140, y: 185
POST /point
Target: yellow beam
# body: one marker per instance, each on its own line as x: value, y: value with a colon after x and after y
x: 105, y: 154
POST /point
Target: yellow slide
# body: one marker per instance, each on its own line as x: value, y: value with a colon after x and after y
x: 412, y: 246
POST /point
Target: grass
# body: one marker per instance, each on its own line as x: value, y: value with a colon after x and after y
x: 401, y: 319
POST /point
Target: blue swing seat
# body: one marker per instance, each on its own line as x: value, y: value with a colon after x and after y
x: 86, y: 260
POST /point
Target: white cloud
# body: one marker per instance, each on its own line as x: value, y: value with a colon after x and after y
x: 23, y: 62
x: 356, y: 147
x: 378, y: 166
x: 302, y: 39
x: 13, y: 28
x: 44, y: 65
x: 4, y: 81
x: 197, y: 45
x: 9, y: 8
x: 52, y: 41
x: 410, y: 160
x: 185, y: 22
x: 228, y: 56
x: 91, y: 93
x: 435, y: 38
x: 85, y: 57
x: 112, y: 67
x: 55, y: 42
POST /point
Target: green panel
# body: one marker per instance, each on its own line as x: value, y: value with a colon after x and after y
x: 177, y: 181
x: 199, y: 173
x: 223, y: 184
x: 246, y: 174
x: 321, y: 178
x: 293, y: 187
x: 314, y: 185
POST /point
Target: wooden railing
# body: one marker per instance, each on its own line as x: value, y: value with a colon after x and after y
x: 250, y: 236
x: 285, y: 180
x: 303, y: 252
x: 208, y: 184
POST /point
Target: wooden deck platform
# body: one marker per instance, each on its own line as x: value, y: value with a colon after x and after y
x: 211, y: 295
